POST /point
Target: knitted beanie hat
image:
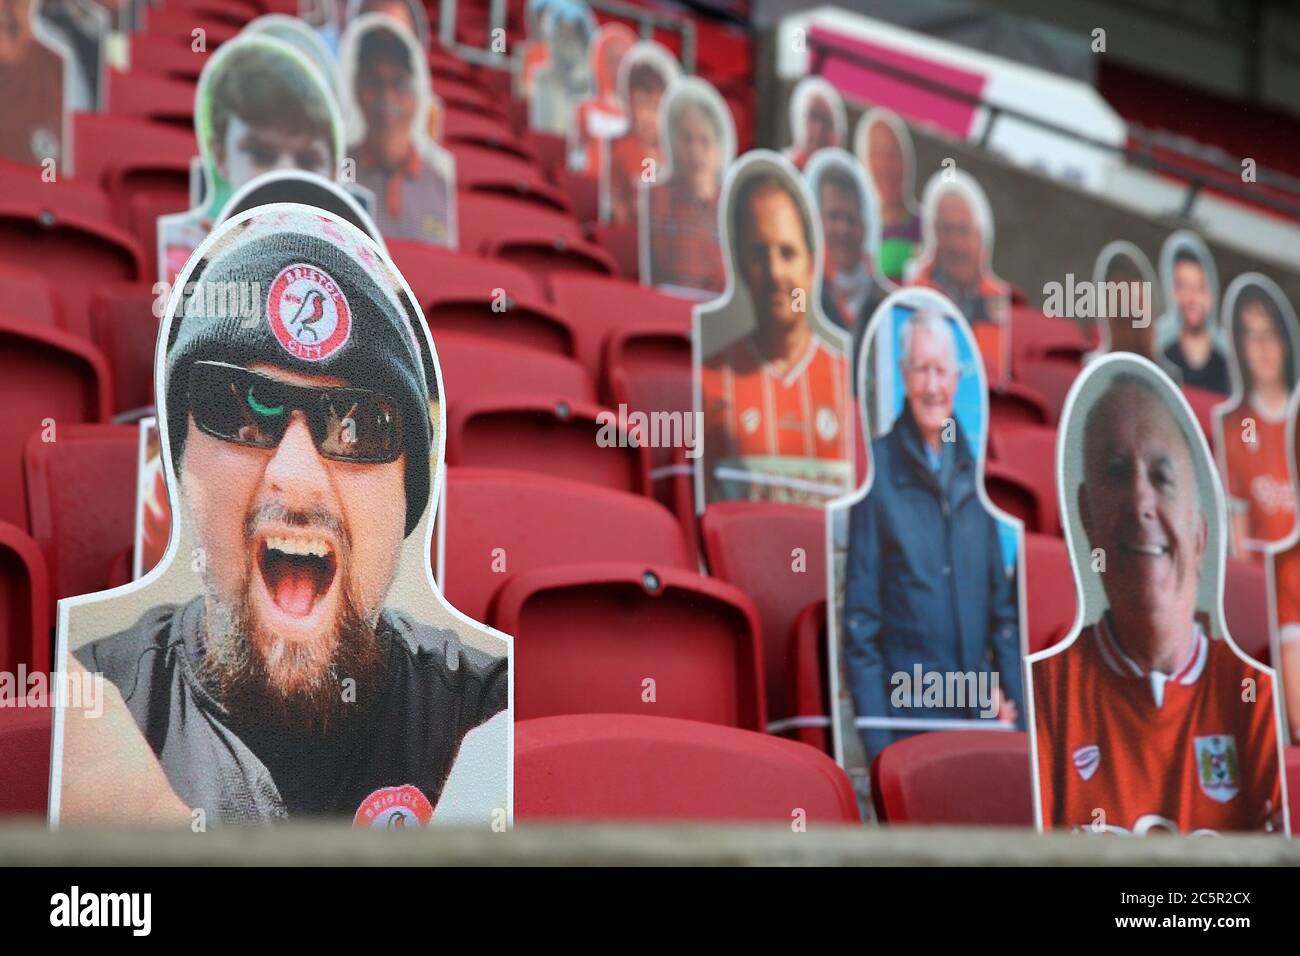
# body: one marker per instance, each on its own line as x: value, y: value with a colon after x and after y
x: 306, y: 302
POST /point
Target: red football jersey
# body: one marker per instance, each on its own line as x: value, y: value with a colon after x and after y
x: 1128, y: 750
x: 1256, y: 475
x: 1286, y: 584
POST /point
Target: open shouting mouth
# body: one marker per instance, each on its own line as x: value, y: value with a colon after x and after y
x: 298, y: 570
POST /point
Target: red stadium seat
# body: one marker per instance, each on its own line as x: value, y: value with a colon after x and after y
x: 153, y: 98
x: 25, y: 734
x: 545, y: 436
x: 620, y: 767
x: 461, y: 126
x: 955, y: 778
x: 24, y: 603
x: 584, y: 195
x: 26, y: 293
x: 1015, y: 493
x: 546, y: 255
x: 143, y: 167
x: 163, y: 57
x: 1051, y: 379
x: 775, y: 553
x: 622, y: 243
x: 467, y: 95
x: 444, y: 65
x: 590, y: 638
x: 126, y: 330
x: 1049, y: 590
x: 234, y: 12
x: 808, y: 688
x: 63, y: 230
x: 48, y: 379
x: 536, y: 238
x: 649, y: 370
x: 178, y: 26
x: 81, y: 492
x: 475, y: 162
x: 475, y: 367
x: 1031, y: 451
x: 460, y: 132
x: 1038, y: 336
x: 1016, y: 405
x: 109, y: 148
x: 468, y: 293
x: 550, y: 150
x: 598, y: 306
x: 537, y: 522
x: 516, y: 189
x: 1245, y: 605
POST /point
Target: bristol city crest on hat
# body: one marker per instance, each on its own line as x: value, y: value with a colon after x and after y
x: 308, y: 313
x: 394, y: 808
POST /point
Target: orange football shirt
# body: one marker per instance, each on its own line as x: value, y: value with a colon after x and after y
x: 1150, y: 752
x: 751, y: 409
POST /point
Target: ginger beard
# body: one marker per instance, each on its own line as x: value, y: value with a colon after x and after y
x: 298, y: 558
x: 253, y: 668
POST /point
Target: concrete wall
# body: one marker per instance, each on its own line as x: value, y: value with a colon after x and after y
x: 1045, y: 228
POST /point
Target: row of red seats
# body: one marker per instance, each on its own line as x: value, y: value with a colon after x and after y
x: 622, y: 768
x: 746, y: 643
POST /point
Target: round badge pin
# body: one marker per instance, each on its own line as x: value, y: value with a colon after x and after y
x: 308, y: 313
x: 394, y: 808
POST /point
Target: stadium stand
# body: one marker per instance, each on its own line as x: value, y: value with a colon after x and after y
x: 78, y: 532
x: 630, y: 767
x: 51, y: 380
x: 500, y: 523
x: 970, y: 778
x: 777, y: 554
x: 24, y: 602
x: 621, y: 636
x: 660, y: 652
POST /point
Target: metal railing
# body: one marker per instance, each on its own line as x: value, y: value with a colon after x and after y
x: 1142, y: 154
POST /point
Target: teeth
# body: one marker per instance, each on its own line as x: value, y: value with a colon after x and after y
x: 314, y: 547
x: 1155, y: 550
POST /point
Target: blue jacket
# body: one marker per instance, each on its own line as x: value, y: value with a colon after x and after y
x: 925, y: 582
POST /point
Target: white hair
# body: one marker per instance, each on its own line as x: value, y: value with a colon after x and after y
x: 807, y: 89
x: 936, y: 325
x: 964, y: 185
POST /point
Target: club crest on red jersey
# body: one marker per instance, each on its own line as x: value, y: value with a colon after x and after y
x: 308, y: 313
x: 394, y: 808
x: 1217, y: 769
x: 1086, y: 760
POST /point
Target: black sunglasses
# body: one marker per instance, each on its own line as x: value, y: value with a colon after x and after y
x: 239, y: 405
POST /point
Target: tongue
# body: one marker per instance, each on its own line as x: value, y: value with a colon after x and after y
x: 295, y: 591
